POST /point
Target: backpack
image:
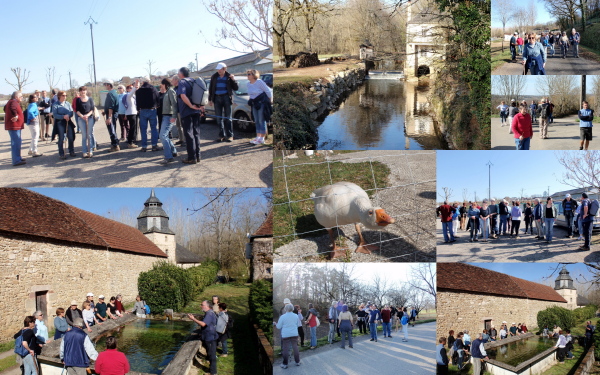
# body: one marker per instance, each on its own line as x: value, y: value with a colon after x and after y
x: 19, y: 348
x: 147, y: 308
x: 594, y: 205
x: 198, y: 87
x: 229, y: 323
x: 544, y: 111
x: 545, y: 42
x: 404, y: 320
x: 124, y: 101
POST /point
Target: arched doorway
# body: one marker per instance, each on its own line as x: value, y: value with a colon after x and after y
x: 423, y: 70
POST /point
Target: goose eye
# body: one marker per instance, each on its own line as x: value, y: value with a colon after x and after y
x: 370, y: 212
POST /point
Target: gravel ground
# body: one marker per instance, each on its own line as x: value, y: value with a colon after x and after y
x: 410, y: 239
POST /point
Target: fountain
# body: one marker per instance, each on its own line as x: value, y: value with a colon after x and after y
x: 526, y: 354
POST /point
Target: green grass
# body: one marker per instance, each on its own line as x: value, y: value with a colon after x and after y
x: 4, y: 347
x: 241, y: 359
x: 7, y: 362
x: 302, y: 180
x: 499, y: 58
x: 305, y: 80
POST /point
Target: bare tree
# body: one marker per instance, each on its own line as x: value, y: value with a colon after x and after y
x: 502, y: 12
x: 465, y: 194
x: 563, y: 91
x: 399, y: 296
x: 519, y: 20
x: 283, y: 14
x: 379, y: 290
x: 565, y: 9
x: 447, y: 193
x: 22, y: 76
x: 424, y: 278
x: 192, y: 67
x: 582, y: 168
x: 51, y: 77
x: 531, y: 13
x: 171, y: 72
x: 509, y: 86
x: 149, y: 68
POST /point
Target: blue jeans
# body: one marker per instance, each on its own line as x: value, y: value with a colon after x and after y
x: 223, y: 109
x: 15, y: 146
x: 114, y: 140
x: 87, y: 134
x: 148, y: 115
x: 552, y: 49
x: 485, y: 228
x: 64, y: 127
x: 313, y: 336
x: 549, y: 228
x: 29, y: 365
x: 503, y: 223
x: 569, y: 220
x: 576, y: 49
x: 520, y: 47
x: 588, y: 226
x: 224, y: 345
x: 513, y: 52
x: 447, y: 228
x: 387, y: 329
x: 373, y: 329
x: 522, y: 145
x: 168, y: 146
x: 346, y: 331
x: 259, y: 121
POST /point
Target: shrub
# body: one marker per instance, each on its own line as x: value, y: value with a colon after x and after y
x: 203, y: 275
x: 261, y: 306
x: 293, y: 127
x: 584, y: 313
x: 165, y: 286
x: 555, y: 315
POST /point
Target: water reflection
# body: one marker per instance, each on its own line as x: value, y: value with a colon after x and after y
x: 381, y: 114
x: 517, y: 352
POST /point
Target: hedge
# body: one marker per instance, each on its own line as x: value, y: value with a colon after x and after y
x: 581, y: 314
x: 555, y: 315
x: 260, y: 301
x: 204, y: 275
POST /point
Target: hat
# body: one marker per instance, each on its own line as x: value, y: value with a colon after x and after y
x: 73, y: 303
x: 513, y: 324
x: 90, y: 295
x: 286, y: 301
x: 108, y: 81
x: 568, y: 196
x: 100, y: 296
x: 504, y: 322
x: 516, y: 33
x: 512, y: 100
x: 221, y: 65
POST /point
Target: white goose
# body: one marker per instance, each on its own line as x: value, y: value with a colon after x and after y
x: 347, y: 203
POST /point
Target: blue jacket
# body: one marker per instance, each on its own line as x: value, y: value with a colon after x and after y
x: 537, y: 212
x: 533, y: 51
x: 74, y: 350
x: 586, y: 116
x: 209, y: 332
x: 473, y: 211
x: 440, y: 355
x: 374, y: 315
x: 32, y: 112
x: 60, y: 110
x: 288, y: 324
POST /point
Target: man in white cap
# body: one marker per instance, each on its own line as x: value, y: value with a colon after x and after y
x: 569, y: 206
x: 111, y: 112
x: 90, y: 299
x: 220, y: 93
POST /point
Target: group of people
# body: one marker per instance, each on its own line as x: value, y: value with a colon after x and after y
x: 520, y: 119
x: 134, y: 104
x: 490, y: 220
x: 291, y: 324
x: 534, y: 48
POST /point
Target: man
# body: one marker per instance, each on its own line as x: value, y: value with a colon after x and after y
x: 44, y: 108
x: 543, y: 109
x: 589, y: 331
x: 537, y: 217
x: 513, y: 48
x: 586, y: 116
x: 386, y: 317
x: 209, y: 334
x: 413, y: 316
x: 190, y: 117
x: 181, y: 141
x: 111, y: 112
x: 332, y: 319
x: 587, y: 221
x: 374, y: 318
x: 513, y: 330
x: 474, y: 221
x: 478, y: 353
x: 147, y: 103
x: 14, y: 121
x: 493, y: 211
x: 441, y: 357
x: 76, y: 349
x: 73, y: 313
x: 569, y: 206
x: 575, y: 38
x: 445, y: 212
x: 504, y: 212
x: 550, y: 111
x: 102, y: 313
x: 220, y: 92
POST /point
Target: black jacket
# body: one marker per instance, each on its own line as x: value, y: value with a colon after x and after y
x: 573, y: 204
x: 146, y: 97
x: 232, y: 86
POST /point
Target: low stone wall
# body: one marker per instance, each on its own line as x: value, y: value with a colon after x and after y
x: 586, y: 365
x: 327, y: 92
x: 265, y: 350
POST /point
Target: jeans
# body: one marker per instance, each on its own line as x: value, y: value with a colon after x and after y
x: 460, y: 358
x: 64, y: 127
x: 373, y: 329
x: 569, y: 220
x: 313, y: 336
x: 580, y: 225
x: 29, y: 365
x: 346, y: 331
x: 114, y: 140
x: 223, y: 109
x: 405, y: 331
x: 520, y: 47
x: 522, y: 145
x: 494, y: 224
x: 259, y: 121
x: 447, y: 228
x: 191, y: 128
x: 587, y: 230
x: 387, y: 329
x: 575, y: 49
x: 168, y: 146
x: 331, y: 335
x: 211, y: 354
x: 485, y: 228
x: 503, y: 224
x: 513, y: 52
x: 285, y: 347
x: 552, y: 49
x: 15, y: 146
x: 549, y: 228
x: 563, y: 49
x: 132, y: 129
x: 301, y: 334
x: 87, y: 134
x: 223, y: 341
x: 148, y: 115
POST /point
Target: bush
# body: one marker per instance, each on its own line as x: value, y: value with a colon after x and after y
x: 584, y: 313
x: 165, y: 286
x: 261, y: 306
x: 555, y: 315
x: 204, y: 275
x: 293, y: 127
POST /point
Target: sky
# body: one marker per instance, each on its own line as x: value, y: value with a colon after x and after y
x: 512, y: 170
x: 127, y: 35
x: 542, y: 14
x: 534, y: 85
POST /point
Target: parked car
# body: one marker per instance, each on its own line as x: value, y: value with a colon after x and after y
x: 268, y: 78
x: 240, y: 108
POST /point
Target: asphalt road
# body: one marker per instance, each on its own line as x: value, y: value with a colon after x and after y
x: 563, y: 134
x: 555, y: 65
x: 386, y: 356
x: 235, y: 164
x: 510, y: 249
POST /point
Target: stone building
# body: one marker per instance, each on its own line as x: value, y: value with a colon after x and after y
x: 564, y: 286
x: 153, y: 222
x: 474, y: 298
x: 260, y: 250
x: 52, y: 253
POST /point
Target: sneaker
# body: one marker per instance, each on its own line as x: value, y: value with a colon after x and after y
x: 186, y: 161
x: 283, y: 366
x: 391, y: 336
x: 72, y: 154
x: 62, y: 157
x: 221, y: 139
x: 85, y: 156
x: 372, y: 340
x: 254, y: 141
x: 298, y: 363
x: 229, y: 139
x: 132, y: 145
x: 30, y: 152
x: 167, y: 161
x: 117, y: 148
x: 175, y: 154
x: 36, y: 154
x: 580, y: 238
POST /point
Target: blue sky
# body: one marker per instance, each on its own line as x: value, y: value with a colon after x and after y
x: 129, y: 33
x: 538, y: 271
x: 512, y: 170
x: 533, y: 85
x: 542, y: 15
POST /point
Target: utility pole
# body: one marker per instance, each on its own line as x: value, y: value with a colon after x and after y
x: 91, y: 22
x: 197, y: 67
x: 583, y: 89
x: 70, y: 82
x: 489, y: 164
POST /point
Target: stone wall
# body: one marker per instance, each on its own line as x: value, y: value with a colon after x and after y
x: 327, y: 92
x: 262, y: 260
x: 65, y: 271
x: 460, y: 311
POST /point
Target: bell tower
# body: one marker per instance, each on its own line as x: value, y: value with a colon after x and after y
x: 564, y: 286
x: 153, y: 221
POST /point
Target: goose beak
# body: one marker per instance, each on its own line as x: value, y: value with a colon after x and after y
x: 383, y: 218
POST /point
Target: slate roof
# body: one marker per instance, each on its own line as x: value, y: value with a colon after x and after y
x: 464, y: 277
x: 266, y: 228
x: 183, y: 255
x: 582, y: 301
x: 27, y: 212
x: 238, y: 60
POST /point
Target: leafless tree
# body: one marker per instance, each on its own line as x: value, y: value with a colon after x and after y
x: 424, y: 278
x: 509, y: 86
x: 502, y: 12
x: 531, y: 13
x: 447, y: 193
x: 149, y: 68
x: 22, y: 76
x: 566, y: 9
x: 379, y: 290
x: 283, y: 13
x: 465, y: 194
x: 581, y: 168
x: 563, y: 91
x: 192, y: 66
x: 419, y: 299
x: 520, y: 20
x: 51, y: 77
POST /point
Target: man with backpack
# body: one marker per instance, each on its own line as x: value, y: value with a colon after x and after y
x: 569, y: 207
x: 111, y: 113
x: 543, y: 119
x: 25, y: 344
x: 589, y: 210
x: 190, y: 115
x: 220, y: 92
x: 209, y: 333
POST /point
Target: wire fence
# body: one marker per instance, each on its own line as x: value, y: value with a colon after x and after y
x: 400, y: 182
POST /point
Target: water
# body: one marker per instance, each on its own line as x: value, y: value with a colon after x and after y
x: 382, y: 114
x: 149, y: 345
x: 517, y: 352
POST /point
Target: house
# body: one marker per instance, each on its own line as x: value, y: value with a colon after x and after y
x: 260, y: 250
x: 259, y: 60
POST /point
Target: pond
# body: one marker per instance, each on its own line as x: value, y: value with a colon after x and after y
x: 517, y: 352
x: 382, y: 114
x: 149, y: 344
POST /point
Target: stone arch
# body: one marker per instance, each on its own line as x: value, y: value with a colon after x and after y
x: 423, y: 70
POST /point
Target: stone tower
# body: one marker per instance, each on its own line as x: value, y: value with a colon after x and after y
x: 153, y: 222
x: 564, y: 286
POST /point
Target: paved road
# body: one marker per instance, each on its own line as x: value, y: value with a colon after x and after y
x: 556, y: 65
x: 223, y: 164
x: 563, y: 134
x: 386, y: 356
x: 509, y: 249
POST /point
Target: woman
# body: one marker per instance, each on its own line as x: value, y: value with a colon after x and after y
x: 459, y: 347
x: 561, y: 344
x: 261, y: 99
x: 140, y: 310
x: 345, y: 326
x: 455, y: 218
x: 522, y: 129
x: 361, y: 319
x: 215, y: 304
x: 332, y: 319
x: 516, y: 214
x: 169, y: 117
x: 503, y: 112
x: 288, y: 324
x: 84, y: 108
x: 450, y: 343
x: 520, y: 43
x: 89, y: 317
x: 528, y: 218
x: 493, y: 334
x: 62, y: 111
x: 474, y: 220
x: 485, y: 336
x: 484, y: 220
x: 222, y: 330
x: 41, y: 332
x: 524, y: 328
x: 512, y: 112
x: 563, y: 42
x: 121, y: 113
x: 503, y: 332
x: 549, y: 214
x: 33, y: 122
x: 112, y: 308
x: 111, y: 361
x: 60, y: 324
x: 298, y: 310
x: 29, y: 343
x: 311, y: 321
x: 404, y: 322
x: 534, y: 56
x: 14, y: 121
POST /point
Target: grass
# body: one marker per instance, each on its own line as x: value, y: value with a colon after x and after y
x: 499, y: 57
x: 4, y: 347
x: 305, y: 80
x: 302, y: 180
x: 8, y: 362
x: 241, y: 359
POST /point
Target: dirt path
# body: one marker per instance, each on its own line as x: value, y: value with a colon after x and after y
x: 318, y: 71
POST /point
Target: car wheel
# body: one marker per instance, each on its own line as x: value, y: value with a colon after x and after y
x: 243, y: 126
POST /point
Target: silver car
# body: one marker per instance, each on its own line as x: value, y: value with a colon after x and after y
x: 240, y: 108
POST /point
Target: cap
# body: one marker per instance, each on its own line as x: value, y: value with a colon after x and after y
x: 90, y: 295
x: 221, y: 65
x: 568, y: 196
x: 73, y: 303
x: 108, y: 81
x: 512, y: 100
x: 516, y: 33
x: 101, y: 296
x: 286, y: 301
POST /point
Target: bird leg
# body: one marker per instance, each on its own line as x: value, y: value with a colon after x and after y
x: 362, y: 245
x: 336, y: 252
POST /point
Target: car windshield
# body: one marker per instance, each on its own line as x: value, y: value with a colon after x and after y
x: 243, y: 87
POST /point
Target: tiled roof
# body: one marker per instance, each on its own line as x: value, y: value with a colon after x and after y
x: 467, y: 278
x: 238, y: 60
x: 266, y: 229
x: 183, y: 255
x: 26, y: 212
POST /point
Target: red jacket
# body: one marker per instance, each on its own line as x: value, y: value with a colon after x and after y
x: 445, y: 210
x: 521, y: 125
x: 111, y: 362
x: 386, y: 315
x: 12, y: 109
